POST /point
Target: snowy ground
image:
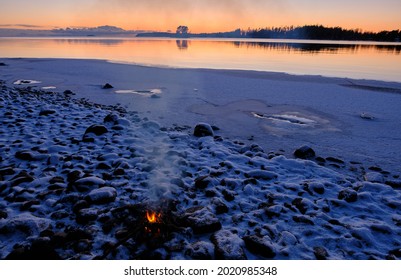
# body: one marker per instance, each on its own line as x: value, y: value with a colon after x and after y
x: 76, y: 177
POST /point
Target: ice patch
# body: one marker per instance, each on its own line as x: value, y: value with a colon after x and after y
x: 48, y: 87
x: 26, y: 82
x: 147, y: 93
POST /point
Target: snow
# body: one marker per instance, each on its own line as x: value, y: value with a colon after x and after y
x: 232, y: 193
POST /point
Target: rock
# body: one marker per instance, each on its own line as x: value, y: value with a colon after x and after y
x: 228, y: 195
x: 200, y: 250
x: 3, y: 64
x: 261, y: 175
x: 335, y: 160
x: 374, y: 177
x: 304, y: 152
x: 396, y: 252
x: 320, y: 253
x: 203, y: 129
x: 74, y: 175
x: 22, y: 177
x: 102, y: 195
x: 107, y: 86
x: 47, y: 112
x: 40, y: 249
x: 303, y: 219
x: 348, y: 195
x: 25, y: 223
x: 396, y: 184
x: 68, y: 92
x: 81, y: 204
x: 300, y: 205
x: 24, y: 155
x: 228, y: 246
x: 203, y: 182
x: 86, y: 215
x: 96, y: 129
x: 110, y: 118
x: 219, y: 206
x: 201, y: 220
x: 7, y: 171
x: 260, y: 246
x: 89, y: 183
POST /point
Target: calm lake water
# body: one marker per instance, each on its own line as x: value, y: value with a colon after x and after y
x: 367, y: 60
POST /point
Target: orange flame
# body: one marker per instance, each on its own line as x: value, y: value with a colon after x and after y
x: 153, y: 217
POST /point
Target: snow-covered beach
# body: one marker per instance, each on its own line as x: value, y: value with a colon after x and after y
x: 77, y: 175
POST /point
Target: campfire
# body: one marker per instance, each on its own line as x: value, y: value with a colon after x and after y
x: 147, y: 226
x: 153, y: 224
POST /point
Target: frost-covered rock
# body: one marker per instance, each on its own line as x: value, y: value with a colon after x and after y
x: 200, y: 250
x: 89, y: 183
x: 203, y: 129
x: 201, y: 220
x: 260, y: 246
x: 25, y: 223
x: 102, y: 195
x: 228, y: 246
x: 348, y: 195
x: 304, y: 152
x: 96, y: 129
x: 374, y: 177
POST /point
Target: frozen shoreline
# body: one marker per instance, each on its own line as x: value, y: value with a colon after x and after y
x: 77, y: 178
x: 233, y: 100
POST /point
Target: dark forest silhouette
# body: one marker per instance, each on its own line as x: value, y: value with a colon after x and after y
x: 309, y: 32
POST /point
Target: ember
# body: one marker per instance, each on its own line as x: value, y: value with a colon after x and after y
x: 153, y: 217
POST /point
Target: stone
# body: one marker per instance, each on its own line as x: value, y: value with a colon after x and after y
x: 304, y: 152
x: 40, y: 249
x: 303, y: 219
x: 203, y: 182
x: 320, y: 253
x: 262, y: 246
x: 96, y: 129
x: 47, y: 112
x: 200, y: 250
x: 374, y: 177
x: 110, y: 118
x: 74, y: 175
x: 348, y: 195
x: 25, y: 223
x: 89, y: 183
x: 300, y: 205
x: 228, y: 246
x: 201, y: 220
x: 203, y: 129
x: 102, y: 195
x: 228, y: 195
x: 261, y: 175
x: 86, y: 215
x: 24, y: 155
x: 219, y: 206
x: 107, y: 86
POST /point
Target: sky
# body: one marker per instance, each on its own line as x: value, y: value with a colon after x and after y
x: 200, y: 15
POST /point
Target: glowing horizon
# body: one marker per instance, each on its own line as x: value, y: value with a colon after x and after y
x: 201, y: 15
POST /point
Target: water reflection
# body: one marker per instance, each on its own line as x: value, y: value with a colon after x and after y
x: 315, y: 48
x: 182, y: 44
x: 328, y: 58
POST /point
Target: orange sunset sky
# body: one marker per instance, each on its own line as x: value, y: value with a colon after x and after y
x: 200, y: 15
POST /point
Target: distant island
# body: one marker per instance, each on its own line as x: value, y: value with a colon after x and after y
x: 307, y: 32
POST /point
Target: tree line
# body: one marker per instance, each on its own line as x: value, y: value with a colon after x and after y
x: 320, y: 32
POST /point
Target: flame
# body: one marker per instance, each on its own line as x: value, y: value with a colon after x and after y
x: 153, y: 217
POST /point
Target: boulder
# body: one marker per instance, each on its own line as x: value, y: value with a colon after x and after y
x: 102, y: 195
x: 203, y: 129
x: 201, y: 220
x: 304, y: 152
x: 228, y: 246
x: 262, y: 246
x: 96, y: 129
